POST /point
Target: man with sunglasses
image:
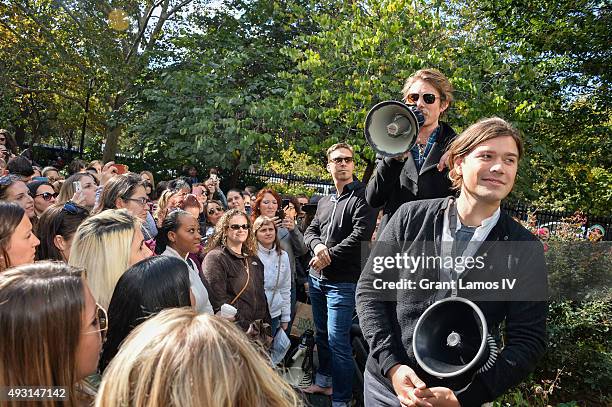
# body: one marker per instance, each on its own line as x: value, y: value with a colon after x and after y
x: 420, y: 173
x: 335, y: 235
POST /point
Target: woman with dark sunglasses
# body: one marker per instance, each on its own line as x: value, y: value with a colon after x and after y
x: 422, y: 172
x: 51, y: 342
x: 233, y: 273
x: 43, y: 194
x: 213, y: 210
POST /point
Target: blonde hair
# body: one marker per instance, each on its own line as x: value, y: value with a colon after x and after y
x: 162, y: 205
x: 40, y: 327
x: 481, y: 131
x: 338, y: 146
x: 219, y: 238
x: 262, y: 220
x: 180, y: 358
x: 436, y: 79
x: 102, y: 247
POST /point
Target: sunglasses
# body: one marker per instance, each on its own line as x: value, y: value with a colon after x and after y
x: 213, y: 210
x: 413, y: 98
x: 46, y: 195
x: 339, y: 160
x: 73, y: 209
x: 2, y: 139
x: 102, y: 319
x: 237, y: 227
x: 8, y: 180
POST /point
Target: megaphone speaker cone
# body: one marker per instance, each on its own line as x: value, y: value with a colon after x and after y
x: 391, y: 127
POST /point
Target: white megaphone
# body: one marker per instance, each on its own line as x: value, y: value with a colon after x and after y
x: 451, y: 342
x: 392, y: 127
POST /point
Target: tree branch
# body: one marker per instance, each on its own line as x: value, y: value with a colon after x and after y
x: 25, y: 89
x: 142, y: 30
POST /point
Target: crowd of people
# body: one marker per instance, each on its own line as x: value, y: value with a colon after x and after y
x: 118, y: 287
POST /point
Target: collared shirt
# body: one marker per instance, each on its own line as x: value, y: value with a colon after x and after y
x: 419, y: 159
x: 198, y: 289
x: 480, y: 234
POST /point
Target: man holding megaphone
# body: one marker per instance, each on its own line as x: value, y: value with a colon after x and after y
x: 483, y: 163
x: 417, y: 170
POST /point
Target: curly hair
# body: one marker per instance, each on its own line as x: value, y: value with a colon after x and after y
x: 219, y: 238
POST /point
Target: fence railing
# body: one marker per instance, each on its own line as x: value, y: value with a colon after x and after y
x: 521, y: 211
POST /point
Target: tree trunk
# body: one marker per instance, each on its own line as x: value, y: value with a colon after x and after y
x: 112, y: 140
x: 368, y: 171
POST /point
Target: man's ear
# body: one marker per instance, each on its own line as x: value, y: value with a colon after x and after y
x: 458, y: 164
x: 327, y: 167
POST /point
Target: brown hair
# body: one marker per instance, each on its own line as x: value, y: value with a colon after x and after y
x: 262, y: 220
x: 338, y: 146
x: 219, y: 238
x: 11, y: 215
x: 121, y: 186
x: 40, y: 327
x: 436, y: 79
x: 56, y: 221
x: 481, y: 131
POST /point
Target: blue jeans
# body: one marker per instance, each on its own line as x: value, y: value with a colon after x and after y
x: 333, y: 306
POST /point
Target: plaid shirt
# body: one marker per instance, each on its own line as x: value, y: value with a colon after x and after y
x: 419, y: 158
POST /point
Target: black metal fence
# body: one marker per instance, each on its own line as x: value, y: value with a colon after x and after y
x: 519, y: 210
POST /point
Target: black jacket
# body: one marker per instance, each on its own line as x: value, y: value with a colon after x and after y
x: 388, y: 326
x: 395, y: 183
x: 342, y: 223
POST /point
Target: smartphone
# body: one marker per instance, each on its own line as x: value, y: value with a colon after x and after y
x: 280, y: 214
x: 77, y: 186
x: 43, y: 179
x: 214, y: 177
x: 286, y: 202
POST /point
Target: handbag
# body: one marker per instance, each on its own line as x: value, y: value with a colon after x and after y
x: 258, y: 331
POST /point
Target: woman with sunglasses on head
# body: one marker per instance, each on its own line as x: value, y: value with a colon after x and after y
x: 43, y: 194
x: 50, y: 331
x: 56, y: 228
x: 17, y: 240
x: 145, y: 289
x: 106, y: 245
x: 233, y: 273
x: 149, y: 183
x: 422, y: 172
x: 179, y: 236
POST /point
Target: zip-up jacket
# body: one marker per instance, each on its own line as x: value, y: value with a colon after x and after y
x: 388, y: 326
x: 342, y: 222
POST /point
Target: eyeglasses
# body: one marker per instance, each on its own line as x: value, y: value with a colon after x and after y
x: 46, y: 195
x: 139, y: 201
x: 73, y: 208
x: 339, y: 160
x: 102, y: 320
x: 237, y: 227
x: 413, y: 98
x: 211, y: 211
